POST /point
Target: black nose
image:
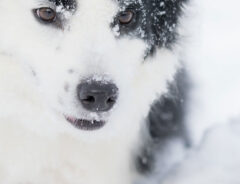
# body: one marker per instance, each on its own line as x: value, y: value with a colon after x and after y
x: 97, y: 96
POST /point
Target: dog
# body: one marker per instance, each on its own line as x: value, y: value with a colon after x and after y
x: 90, y: 89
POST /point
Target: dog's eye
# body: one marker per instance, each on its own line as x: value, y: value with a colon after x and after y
x: 46, y: 14
x: 126, y: 17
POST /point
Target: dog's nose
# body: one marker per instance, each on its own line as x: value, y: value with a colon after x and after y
x: 97, y: 96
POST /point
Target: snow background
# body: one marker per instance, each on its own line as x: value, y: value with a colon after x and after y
x: 214, y: 62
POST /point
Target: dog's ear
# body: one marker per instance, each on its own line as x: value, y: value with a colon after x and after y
x: 164, y: 18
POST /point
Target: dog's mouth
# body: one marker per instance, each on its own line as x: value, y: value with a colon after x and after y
x: 84, y: 124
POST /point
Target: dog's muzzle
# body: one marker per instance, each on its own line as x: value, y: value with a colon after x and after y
x: 97, y: 96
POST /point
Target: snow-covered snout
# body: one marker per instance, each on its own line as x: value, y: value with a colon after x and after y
x: 74, y: 56
x: 87, y: 58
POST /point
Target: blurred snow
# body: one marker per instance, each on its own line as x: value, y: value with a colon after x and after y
x: 214, y: 62
x: 215, y: 160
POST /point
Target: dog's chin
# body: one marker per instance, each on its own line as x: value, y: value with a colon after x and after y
x: 83, y: 124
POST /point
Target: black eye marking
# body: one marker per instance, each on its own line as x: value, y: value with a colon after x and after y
x: 154, y: 21
x: 127, y: 21
x: 46, y: 14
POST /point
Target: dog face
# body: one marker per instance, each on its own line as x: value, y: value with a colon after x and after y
x: 94, y: 60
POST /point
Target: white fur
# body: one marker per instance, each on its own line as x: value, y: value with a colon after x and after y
x: 37, y: 144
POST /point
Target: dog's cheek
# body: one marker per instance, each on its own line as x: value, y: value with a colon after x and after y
x: 153, y: 77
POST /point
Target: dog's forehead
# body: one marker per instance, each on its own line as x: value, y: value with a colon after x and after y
x: 73, y: 4
x: 69, y: 4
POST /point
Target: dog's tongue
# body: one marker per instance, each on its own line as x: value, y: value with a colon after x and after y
x: 71, y: 119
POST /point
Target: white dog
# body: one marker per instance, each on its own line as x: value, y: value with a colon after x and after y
x: 85, y: 86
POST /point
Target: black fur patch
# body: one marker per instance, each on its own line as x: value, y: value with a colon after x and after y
x: 167, y: 114
x: 68, y: 4
x: 166, y: 121
x: 156, y: 20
